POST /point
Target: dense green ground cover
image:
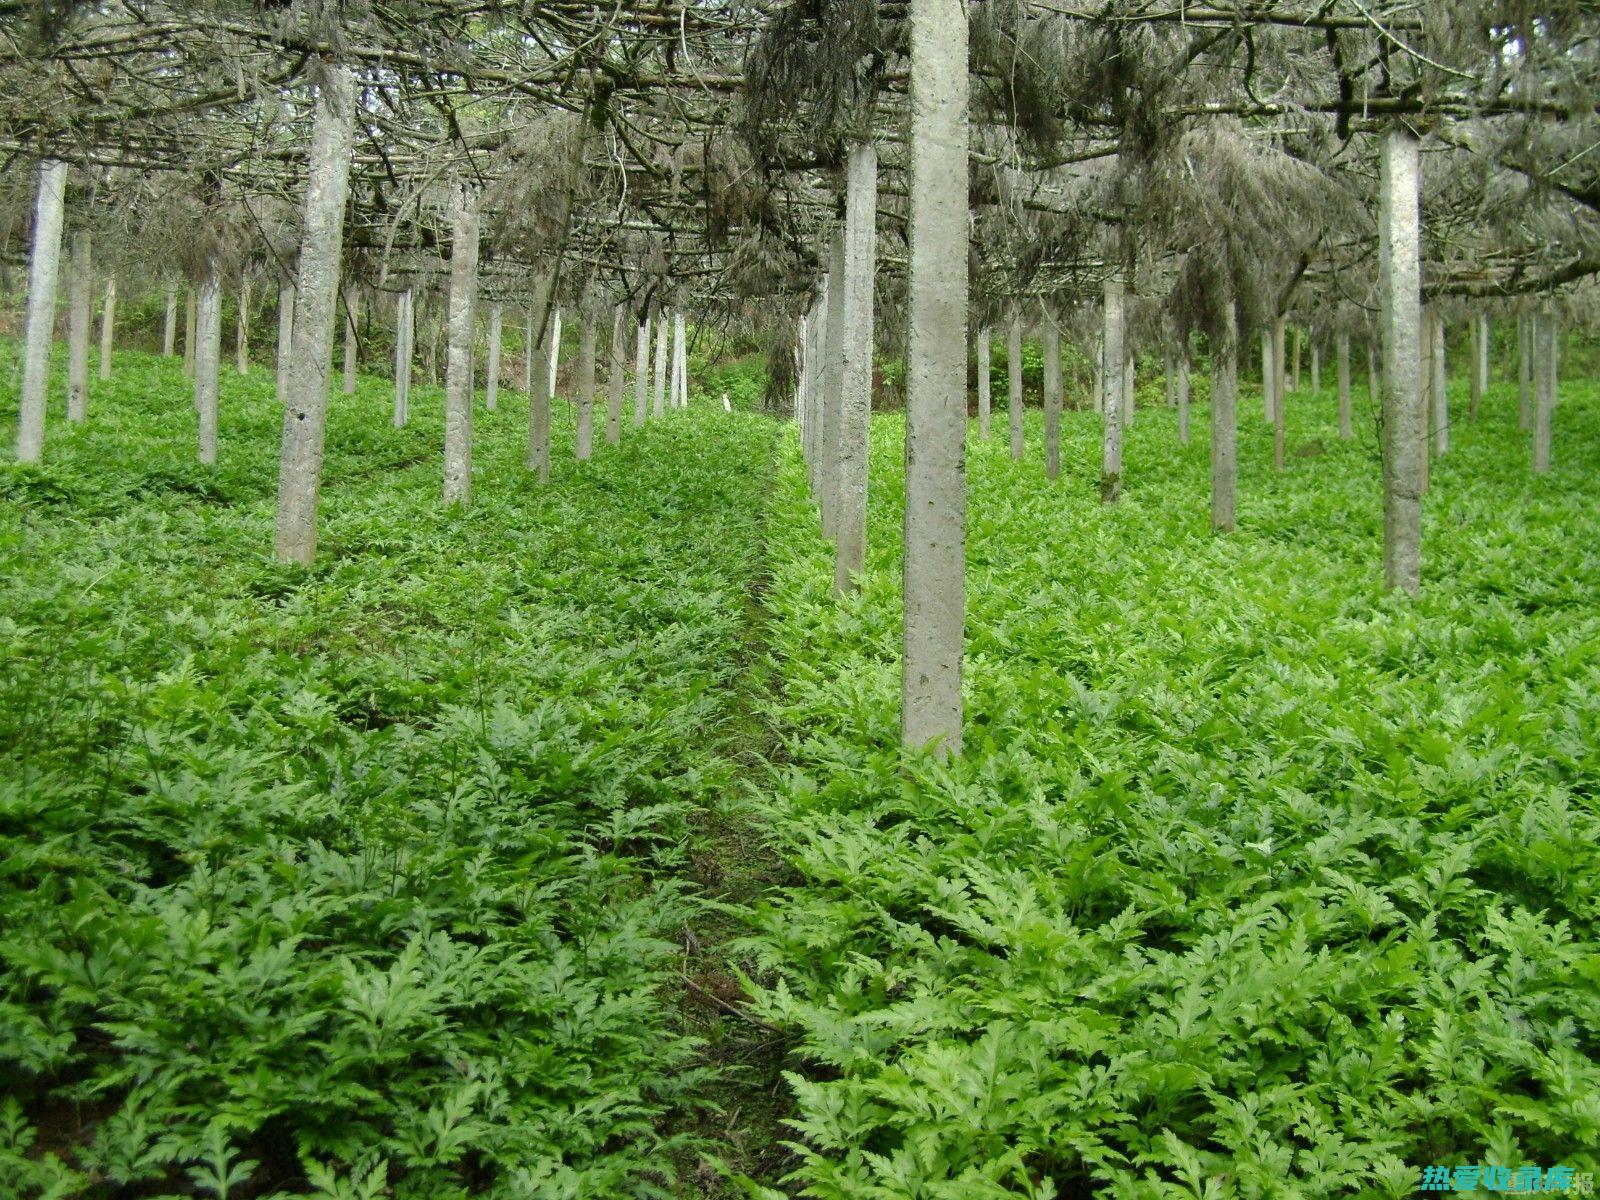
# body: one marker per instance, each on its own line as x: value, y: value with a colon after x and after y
x: 369, y: 880
x: 1255, y: 881
x: 313, y: 881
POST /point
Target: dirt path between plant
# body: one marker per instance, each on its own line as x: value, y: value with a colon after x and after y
x: 733, y: 867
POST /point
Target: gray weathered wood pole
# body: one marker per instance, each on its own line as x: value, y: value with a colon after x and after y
x: 616, y: 379
x: 1400, y: 299
x: 108, y: 326
x: 1014, y: 383
x: 936, y: 381
x: 305, y: 411
x: 1225, y: 420
x: 1316, y: 367
x: 1544, y: 338
x: 491, y: 374
x: 1342, y: 370
x: 44, y: 269
x: 1052, y: 397
x: 985, y: 381
x: 404, y: 333
x: 584, y: 441
x: 855, y: 368
x: 208, y: 359
x: 1115, y: 379
x: 458, y: 373
x: 80, y: 305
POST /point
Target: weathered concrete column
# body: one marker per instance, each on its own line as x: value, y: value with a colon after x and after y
x: 1440, y: 391
x: 658, y: 406
x: 322, y: 233
x: 555, y: 351
x: 541, y: 327
x: 405, y: 332
x: 617, y: 377
x: 528, y: 351
x: 1279, y: 404
x: 1400, y: 299
x: 1478, y: 372
x: 1342, y: 369
x: 680, y: 361
x: 641, y: 369
x: 1225, y: 420
x: 169, y: 329
x: 1545, y: 348
x: 188, y: 332
x: 1014, y: 383
x: 1115, y: 378
x: 241, y: 329
x: 491, y: 377
x: 208, y: 360
x: 286, y: 302
x: 1183, y: 395
x: 458, y: 372
x: 985, y: 381
x: 855, y: 394
x: 108, y: 327
x: 584, y: 441
x: 936, y: 381
x: 44, y: 267
x: 1128, y: 370
x: 1524, y: 370
x: 1267, y: 387
x: 352, y: 304
x: 833, y: 387
x: 80, y: 304
x: 1426, y: 386
x: 1052, y: 396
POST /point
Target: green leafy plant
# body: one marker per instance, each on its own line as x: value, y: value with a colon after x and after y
x: 367, y: 880
x: 1254, y: 881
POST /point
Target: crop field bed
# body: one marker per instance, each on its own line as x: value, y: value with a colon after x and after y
x: 563, y: 846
